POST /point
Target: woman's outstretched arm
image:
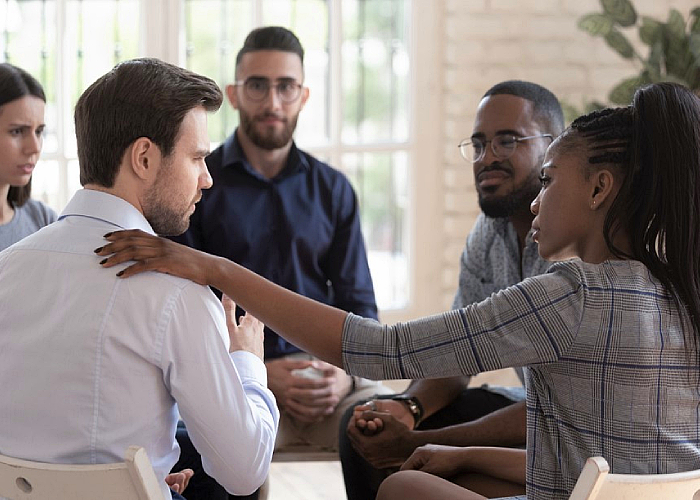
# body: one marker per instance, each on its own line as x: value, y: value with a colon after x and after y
x: 313, y: 327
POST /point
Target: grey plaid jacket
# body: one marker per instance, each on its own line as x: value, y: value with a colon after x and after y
x: 609, y: 373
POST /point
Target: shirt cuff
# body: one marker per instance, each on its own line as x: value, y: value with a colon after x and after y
x: 249, y: 366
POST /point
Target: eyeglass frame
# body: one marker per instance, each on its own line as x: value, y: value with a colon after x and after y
x: 516, y: 140
x: 284, y: 81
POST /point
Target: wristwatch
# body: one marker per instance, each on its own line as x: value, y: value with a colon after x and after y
x: 413, y: 405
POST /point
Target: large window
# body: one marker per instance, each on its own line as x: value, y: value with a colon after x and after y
x: 358, y: 66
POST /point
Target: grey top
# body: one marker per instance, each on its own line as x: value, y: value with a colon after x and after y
x: 28, y: 219
x: 609, y: 372
x: 490, y: 262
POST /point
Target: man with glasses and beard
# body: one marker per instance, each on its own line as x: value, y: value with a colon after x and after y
x: 515, y: 122
x: 293, y: 219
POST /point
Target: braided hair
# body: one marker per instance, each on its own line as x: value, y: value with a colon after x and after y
x: 655, y: 145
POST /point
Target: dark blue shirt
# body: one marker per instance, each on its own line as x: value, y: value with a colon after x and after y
x: 300, y: 229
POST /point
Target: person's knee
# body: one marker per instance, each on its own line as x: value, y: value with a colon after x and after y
x: 406, y: 485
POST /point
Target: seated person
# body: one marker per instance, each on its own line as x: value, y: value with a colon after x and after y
x: 89, y: 364
x: 499, y: 252
x: 280, y: 212
x: 22, y: 103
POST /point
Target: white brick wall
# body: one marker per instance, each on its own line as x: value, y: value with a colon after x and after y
x: 486, y: 41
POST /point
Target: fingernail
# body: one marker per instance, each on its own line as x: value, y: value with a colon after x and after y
x: 103, y: 261
x: 107, y: 235
x: 120, y: 273
x: 98, y: 250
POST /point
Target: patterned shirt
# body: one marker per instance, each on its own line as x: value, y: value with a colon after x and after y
x: 490, y: 262
x: 609, y: 370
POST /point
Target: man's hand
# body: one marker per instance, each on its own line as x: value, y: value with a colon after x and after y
x: 381, y: 438
x: 246, y: 334
x: 178, y: 481
x: 307, y: 399
x: 369, y: 425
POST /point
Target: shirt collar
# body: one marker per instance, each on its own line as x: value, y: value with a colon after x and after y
x: 108, y: 208
x: 234, y: 156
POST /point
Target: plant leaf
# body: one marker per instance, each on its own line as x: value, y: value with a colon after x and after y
x: 695, y: 25
x: 622, y: 46
x: 623, y: 92
x: 675, y: 23
x: 650, y: 30
x: 694, y: 46
x: 621, y: 11
x: 596, y: 24
x: 653, y: 63
x: 677, y: 56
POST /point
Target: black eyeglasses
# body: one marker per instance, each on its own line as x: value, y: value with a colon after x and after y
x: 257, y: 89
x: 502, y: 145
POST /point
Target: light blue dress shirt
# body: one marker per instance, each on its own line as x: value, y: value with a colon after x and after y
x: 91, y: 364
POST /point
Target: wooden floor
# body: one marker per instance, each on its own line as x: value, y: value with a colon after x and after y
x: 324, y: 480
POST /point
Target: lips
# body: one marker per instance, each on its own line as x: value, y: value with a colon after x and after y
x: 492, y: 177
x: 26, y: 169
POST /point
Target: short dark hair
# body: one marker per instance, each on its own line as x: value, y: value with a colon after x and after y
x: 16, y: 83
x: 547, y: 109
x: 137, y: 98
x: 271, y: 38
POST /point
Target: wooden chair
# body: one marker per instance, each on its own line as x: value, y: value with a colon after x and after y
x: 596, y: 483
x: 132, y: 479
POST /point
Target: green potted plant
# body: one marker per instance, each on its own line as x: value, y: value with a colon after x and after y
x: 673, y: 46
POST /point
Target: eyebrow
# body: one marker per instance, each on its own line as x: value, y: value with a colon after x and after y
x: 500, y: 132
x: 280, y: 79
x: 25, y: 125
x: 202, y: 152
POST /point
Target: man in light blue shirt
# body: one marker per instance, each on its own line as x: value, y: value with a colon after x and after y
x: 90, y: 364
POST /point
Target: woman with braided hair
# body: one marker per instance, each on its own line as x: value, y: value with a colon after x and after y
x: 609, y: 334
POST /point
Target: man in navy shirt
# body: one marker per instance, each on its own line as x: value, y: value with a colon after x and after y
x: 293, y: 219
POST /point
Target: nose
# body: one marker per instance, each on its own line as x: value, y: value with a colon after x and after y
x: 535, y: 205
x: 32, y: 143
x: 205, y: 180
x: 273, y: 98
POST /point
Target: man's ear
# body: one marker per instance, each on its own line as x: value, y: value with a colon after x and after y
x: 604, y: 188
x: 232, y: 95
x: 304, y: 96
x: 144, y: 158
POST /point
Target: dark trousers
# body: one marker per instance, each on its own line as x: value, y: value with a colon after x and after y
x: 362, y: 480
x: 201, y: 486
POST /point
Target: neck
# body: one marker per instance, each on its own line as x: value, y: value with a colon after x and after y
x: 522, y: 222
x: 6, y: 210
x: 266, y: 162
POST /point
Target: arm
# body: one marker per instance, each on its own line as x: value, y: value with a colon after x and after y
x: 230, y: 415
x: 507, y: 464
x: 481, y: 337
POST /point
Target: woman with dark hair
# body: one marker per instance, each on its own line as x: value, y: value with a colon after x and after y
x: 609, y: 335
x: 22, y: 103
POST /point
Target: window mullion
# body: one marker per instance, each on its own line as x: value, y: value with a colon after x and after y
x: 335, y: 40
x: 161, y: 33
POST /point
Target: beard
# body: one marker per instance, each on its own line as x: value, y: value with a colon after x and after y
x: 271, y: 140
x: 164, y: 208
x: 516, y: 201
